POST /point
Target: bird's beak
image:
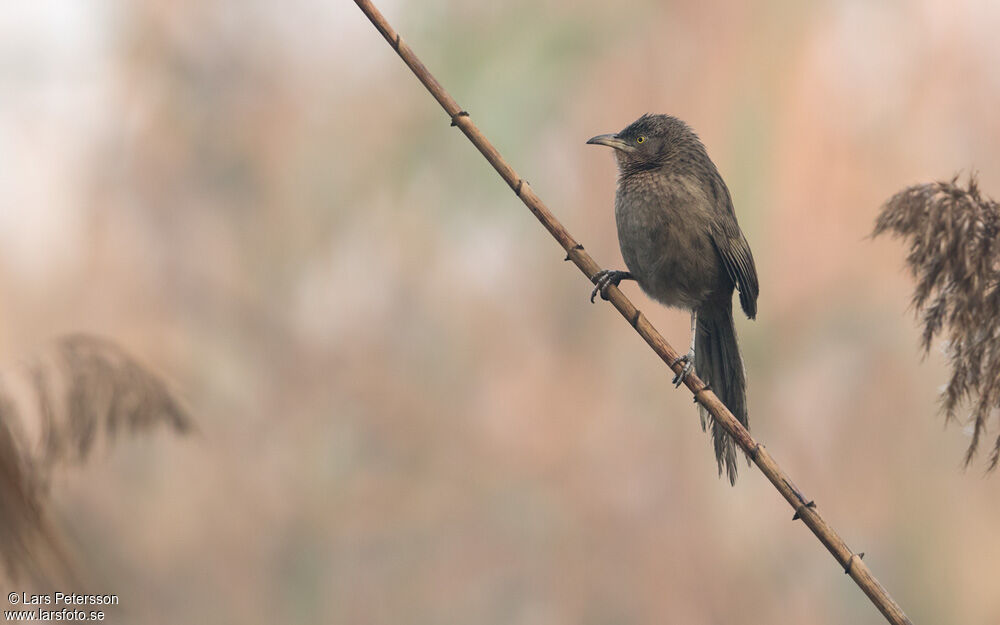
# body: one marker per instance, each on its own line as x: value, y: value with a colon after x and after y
x: 612, y: 141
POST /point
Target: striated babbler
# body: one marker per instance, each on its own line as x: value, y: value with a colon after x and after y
x: 681, y: 242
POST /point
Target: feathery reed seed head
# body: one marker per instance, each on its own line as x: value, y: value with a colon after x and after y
x: 87, y: 389
x: 955, y: 256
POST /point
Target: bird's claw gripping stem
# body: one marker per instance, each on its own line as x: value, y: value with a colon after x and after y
x: 605, y: 278
x: 688, y: 360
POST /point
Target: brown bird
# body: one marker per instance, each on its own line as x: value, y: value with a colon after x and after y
x: 681, y: 242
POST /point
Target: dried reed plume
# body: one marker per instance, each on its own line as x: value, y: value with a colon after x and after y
x: 84, y: 387
x: 955, y: 257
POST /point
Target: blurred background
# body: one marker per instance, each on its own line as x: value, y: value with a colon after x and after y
x: 406, y: 409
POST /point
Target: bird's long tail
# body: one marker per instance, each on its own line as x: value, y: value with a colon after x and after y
x: 717, y: 361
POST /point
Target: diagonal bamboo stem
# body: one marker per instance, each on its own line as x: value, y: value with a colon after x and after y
x: 805, y: 509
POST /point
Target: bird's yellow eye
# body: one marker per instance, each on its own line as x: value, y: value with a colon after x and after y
x: 640, y: 139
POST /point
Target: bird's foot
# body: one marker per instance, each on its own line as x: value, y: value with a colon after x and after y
x: 688, y: 360
x: 605, y: 278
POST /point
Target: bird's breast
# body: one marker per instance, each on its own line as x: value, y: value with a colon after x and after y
x: 664, y: 230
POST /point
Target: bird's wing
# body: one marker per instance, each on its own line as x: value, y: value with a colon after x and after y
x: 739, y: 263
x: 732, y: 246
x: 738, y: 260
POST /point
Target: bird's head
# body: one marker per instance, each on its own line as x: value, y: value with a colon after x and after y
x: 648, y: 142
